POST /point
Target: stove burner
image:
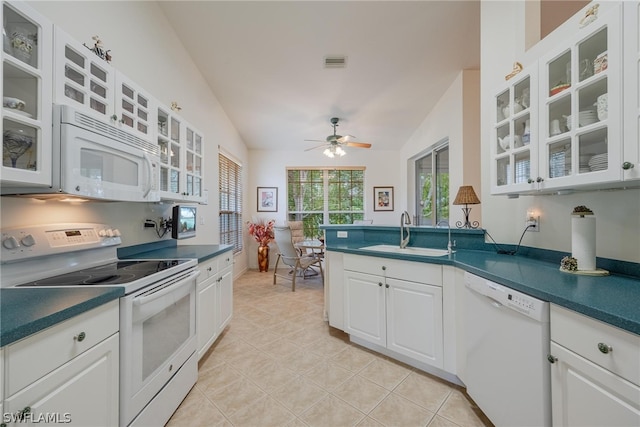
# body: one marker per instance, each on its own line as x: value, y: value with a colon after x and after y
x: 116, y: 273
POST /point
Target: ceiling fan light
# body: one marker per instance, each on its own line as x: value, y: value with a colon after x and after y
x: 340, y: 152
x: 327, y: 152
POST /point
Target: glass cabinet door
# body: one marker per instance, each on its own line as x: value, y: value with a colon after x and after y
x: 630, y: 162
x: 515, y: 134
x: 27, y: 102
x: 133, y: 109
x: 194, y: 163
x: 581, y: 125
x: 169, y: 140
x: 83, y: 79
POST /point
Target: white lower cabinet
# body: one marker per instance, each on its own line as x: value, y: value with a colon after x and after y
x: 595, y: 374
x: 67, y: 374
x: 214, y: 301
x: 393, y: 310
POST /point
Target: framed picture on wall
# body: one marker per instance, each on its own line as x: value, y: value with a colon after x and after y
x: 267, y: 199
x: 382, y: 198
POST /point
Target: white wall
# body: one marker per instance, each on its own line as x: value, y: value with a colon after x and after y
x: 617, y: 212
x: 145, y: 48
x: 455, y: 117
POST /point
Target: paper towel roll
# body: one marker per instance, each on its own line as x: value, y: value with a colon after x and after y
x: 583, y: 241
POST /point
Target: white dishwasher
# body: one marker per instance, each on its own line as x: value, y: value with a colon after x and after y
x: 507, y: 334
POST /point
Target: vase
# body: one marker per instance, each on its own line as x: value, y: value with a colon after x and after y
x: 263, y: 258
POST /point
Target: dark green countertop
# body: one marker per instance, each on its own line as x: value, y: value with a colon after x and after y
x: 199, y: 252
x: 614, y: 299
x: 25, y: 311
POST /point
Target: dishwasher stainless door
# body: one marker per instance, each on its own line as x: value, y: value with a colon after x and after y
x: 507, y: 336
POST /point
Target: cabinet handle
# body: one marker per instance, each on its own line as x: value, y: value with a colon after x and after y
x: 551, y: 358
x: 627, y: 165
x: 380, y: 284
x: 604, y: 348
x: 80, y: 337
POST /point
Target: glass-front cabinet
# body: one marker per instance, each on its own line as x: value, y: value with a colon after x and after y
x: 580, y: 113
x: 86, y: 80
x: 559, y: 121
x: 631, y: 150
x: 26, y: 94
x: 514, y: 136
x: 193, y: 172
x: 181, y: 158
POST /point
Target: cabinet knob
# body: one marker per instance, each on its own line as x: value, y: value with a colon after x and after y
x: 627, y: 165
x: 604, y: 348
x: 209, y: 269
x: 551, y: 358
x: 80, y: 337
x: 530, y: 181
x: 539, y: 179
x: 384, y: 268
x: 380, y: 284
x: 114, y: 117
x: 386, y: 285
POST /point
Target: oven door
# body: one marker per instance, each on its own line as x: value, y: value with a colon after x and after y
x: 157, y: 335
x: 96, y: 166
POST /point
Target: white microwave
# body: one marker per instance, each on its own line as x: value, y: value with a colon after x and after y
x: 97, y: 160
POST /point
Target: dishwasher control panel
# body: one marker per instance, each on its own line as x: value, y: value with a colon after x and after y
x: 507, y: 297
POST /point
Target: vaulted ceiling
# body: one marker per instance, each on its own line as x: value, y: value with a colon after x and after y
x: 265, y: 62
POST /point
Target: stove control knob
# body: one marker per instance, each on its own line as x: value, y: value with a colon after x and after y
x: 109, y: 232
x: 102, y: 233
x: 11, y: 243
x: 116, y: 232
x: 28, y: 240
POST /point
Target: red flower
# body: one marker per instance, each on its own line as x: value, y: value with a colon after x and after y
x: 262, y: 231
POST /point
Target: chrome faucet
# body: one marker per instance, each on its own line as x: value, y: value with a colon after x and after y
x: 450, y: 246
x: 405, y: 219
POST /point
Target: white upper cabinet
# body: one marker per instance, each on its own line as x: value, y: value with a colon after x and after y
x: 631, y: 150
x: 26, y: 90
x: 181, y: 158
x: 583, y: 114
x: 85, y: 80
x: 580, y: 122
x: 514, y: 141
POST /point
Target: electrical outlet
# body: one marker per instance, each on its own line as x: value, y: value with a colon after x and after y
x: 534, y: 222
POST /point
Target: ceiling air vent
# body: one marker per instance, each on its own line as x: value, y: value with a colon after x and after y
x: 335, y: 61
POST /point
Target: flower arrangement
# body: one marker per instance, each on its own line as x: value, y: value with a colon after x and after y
x: 261, y: 231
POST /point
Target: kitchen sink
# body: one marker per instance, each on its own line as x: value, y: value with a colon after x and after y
x: 409, y: 250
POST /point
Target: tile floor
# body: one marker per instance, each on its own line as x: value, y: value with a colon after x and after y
x: 279, y: 364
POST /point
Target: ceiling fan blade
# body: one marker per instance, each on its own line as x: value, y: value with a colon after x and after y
x: 317, y: 146
x: 358, y: 144
x: 345, y: 138
x: 316, y: 140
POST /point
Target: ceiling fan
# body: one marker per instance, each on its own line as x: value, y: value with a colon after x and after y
x: 335, y: 142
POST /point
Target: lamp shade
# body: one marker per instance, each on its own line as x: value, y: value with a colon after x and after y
x: 466, y: 196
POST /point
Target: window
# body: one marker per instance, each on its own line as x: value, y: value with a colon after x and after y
x: 324, y: 196
x: 432, y: 197
x: 230, y: 190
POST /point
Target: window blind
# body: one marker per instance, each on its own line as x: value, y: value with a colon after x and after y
x: 230, y: 193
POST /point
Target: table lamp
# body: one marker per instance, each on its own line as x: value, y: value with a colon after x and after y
x: 466, y: 196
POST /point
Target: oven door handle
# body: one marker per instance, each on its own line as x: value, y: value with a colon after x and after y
x: 164, y: 290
